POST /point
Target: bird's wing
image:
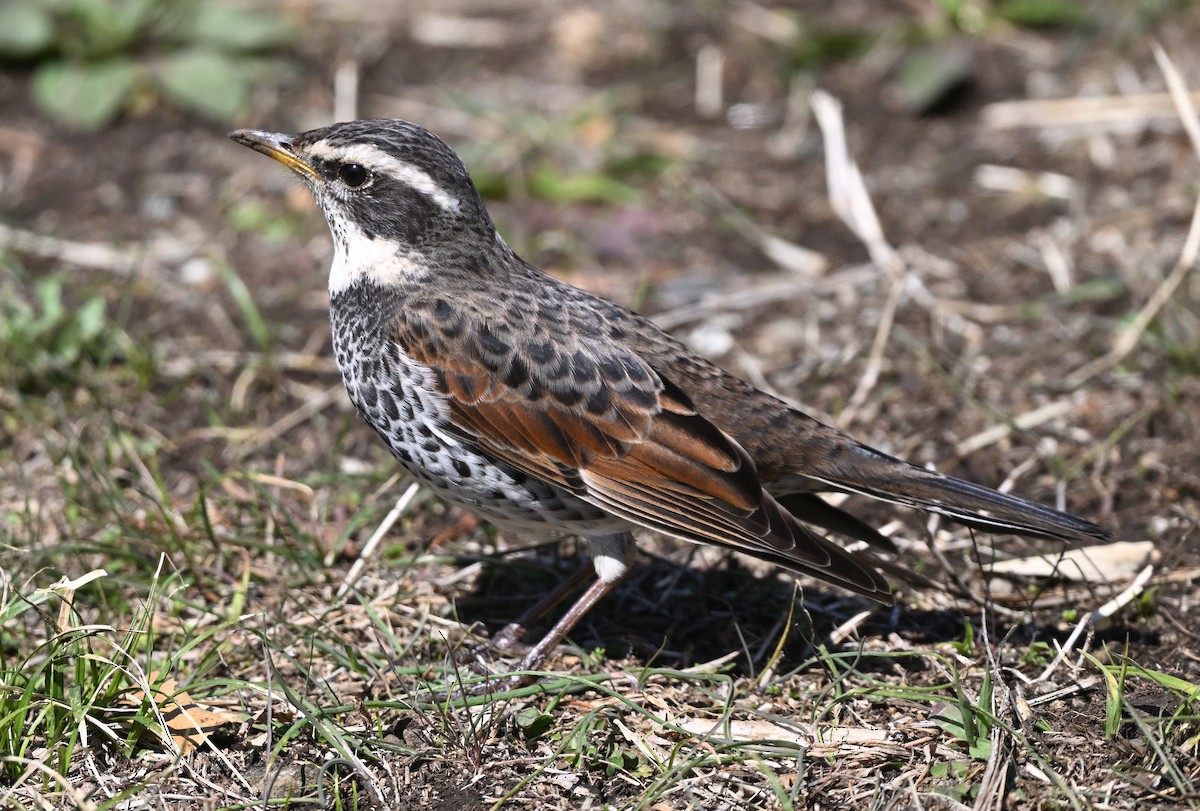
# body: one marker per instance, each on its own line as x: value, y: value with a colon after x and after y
x: 818, y: 458
x: 591, y: 417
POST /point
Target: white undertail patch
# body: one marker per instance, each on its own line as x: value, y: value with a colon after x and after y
x: 611, y: 555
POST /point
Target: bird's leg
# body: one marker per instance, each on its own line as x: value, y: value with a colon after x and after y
x: 508, y: 640
x: 610, y: 560
x: 537, y: 655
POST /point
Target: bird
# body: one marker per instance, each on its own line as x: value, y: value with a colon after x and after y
x: 547, y: 410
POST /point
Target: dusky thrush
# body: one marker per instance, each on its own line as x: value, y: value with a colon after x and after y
x: 545, y: 409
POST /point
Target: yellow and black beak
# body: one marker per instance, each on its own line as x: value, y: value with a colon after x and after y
x: 276, y: 145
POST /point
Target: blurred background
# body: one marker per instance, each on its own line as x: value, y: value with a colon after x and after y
x: 955, y: 228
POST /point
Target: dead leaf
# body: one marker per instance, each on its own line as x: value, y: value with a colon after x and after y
x: 189, y: 724
x: 1106, y: 563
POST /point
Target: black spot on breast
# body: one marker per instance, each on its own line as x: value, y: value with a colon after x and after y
x: 454, y: 327
x: 636, y: 371
x: 587, y: 328
x: 568, y: 396
x: 558, y: 369
x: 389, y: 408
x: 462, y: 468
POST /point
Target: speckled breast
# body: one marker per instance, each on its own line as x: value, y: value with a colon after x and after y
x: 397, y: 396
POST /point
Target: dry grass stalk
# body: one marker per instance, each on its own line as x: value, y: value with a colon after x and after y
x: 1129, y: 338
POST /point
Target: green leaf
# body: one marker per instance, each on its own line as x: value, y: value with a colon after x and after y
x: 245, y: 303
x: 107, y: 27
x: 819, y: 46
x: 1185, y: 688
x: 91, y: 318
x: 533, y: 722
x: 241, y: 29
x: 84, y: 95
x: 646, y: 164
x: 953, y: 722
x: 548, y: 183
x: 206, y: 82
x: 1042, y: 13
x: 25, y: 30
x: 49, y: 295
x: 932, y: 76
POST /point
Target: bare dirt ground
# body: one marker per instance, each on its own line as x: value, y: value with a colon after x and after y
x: 217, y: 439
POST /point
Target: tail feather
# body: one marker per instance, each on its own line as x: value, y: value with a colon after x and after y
x: 813, y: 509
x: 966, y: 503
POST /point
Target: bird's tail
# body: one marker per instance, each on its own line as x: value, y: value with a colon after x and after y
x: 889, y: 479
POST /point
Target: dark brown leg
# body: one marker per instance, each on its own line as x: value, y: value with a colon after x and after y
x: 510, y: 636
x: 611, y: 555
x: 537, y: 655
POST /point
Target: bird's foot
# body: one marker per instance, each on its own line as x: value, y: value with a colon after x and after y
x: 533, y: 658
x: 508, y: 642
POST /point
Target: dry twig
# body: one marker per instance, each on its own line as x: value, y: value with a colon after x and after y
x: 849, y: 198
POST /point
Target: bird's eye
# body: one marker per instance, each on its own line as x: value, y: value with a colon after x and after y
x: 353, y: 174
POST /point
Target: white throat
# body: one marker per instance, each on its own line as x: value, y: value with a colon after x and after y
x: 357, y: 257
